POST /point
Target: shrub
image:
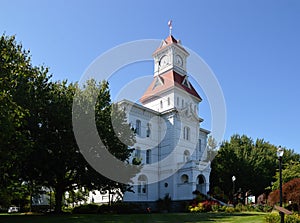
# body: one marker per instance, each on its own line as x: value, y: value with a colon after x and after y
x: 267, y: 208
x: 120, y: 208
x: 216, y: 208
x: 250, y: 208
x: 239, y: 207
x: 86, y: 209
x: 275, y: 218
x: 272, y: 218
x: 126, y: 208
x: 104, y: 208
x: 294, y: 218
x: 229, y: 209
x: 164, y: 204
x: 197, y: 208
x: 204, y: 206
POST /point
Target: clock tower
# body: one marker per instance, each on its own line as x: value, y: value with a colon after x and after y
x: 170, y: 87
x: 170, y: 55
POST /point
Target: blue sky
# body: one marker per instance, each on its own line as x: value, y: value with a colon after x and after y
x: 252, y: 46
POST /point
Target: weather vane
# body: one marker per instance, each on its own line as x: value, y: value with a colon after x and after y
x: 170, y: 26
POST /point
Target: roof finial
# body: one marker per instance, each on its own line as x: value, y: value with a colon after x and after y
x: 170, y: 27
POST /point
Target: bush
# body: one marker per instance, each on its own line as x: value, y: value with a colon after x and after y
x: 216, y: 208
x: 239, y: 207
x: 197, y: 208
x: 250, y: 208
x: 104, y: 209
x: 275, y: 218
x: 120, y: 208
x: 164, y: 204
x: 204, y: 206
x: 86, y: 209
x: 272, y: 218
x: 294, y: 218
x: 229, y: 209
x: 267, y: 208
x: 126, y: 208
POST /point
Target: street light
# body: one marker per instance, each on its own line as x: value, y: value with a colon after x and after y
x: 233, y: 189
x: 280, y: 152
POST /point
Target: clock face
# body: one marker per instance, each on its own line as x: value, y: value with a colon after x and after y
x: 164, y: 61
x: 178, y: 60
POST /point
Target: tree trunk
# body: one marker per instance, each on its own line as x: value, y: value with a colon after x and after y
x: 58, y: 200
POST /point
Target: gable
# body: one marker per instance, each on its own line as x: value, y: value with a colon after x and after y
x: 166, y: 81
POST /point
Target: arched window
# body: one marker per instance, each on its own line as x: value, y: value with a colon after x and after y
x: 186, y: 156
x: 148, y: 156
x: 142, y: 184
x: 186, y: 133
x: 177, y: 101
x: 184, y: 178
x: 138, y: 127
x: 161, y: 104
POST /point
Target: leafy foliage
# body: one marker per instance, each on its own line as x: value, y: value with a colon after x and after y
x: 37, y: 143
x: 252, y: 163
x: 290, y: 171
x: 22, y: 91
x: 290, y: 192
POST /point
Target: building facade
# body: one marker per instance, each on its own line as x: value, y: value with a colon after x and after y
x: 169, y: 140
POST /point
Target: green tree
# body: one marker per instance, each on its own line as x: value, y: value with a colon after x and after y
x: 59, y: 161
x: 113, y: 130
x: 289, y: 172
x: 21, y: 90
x: 252, y: 163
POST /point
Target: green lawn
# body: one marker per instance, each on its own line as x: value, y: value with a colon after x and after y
x: 247, y: 217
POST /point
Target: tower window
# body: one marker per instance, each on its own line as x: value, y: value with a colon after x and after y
x: 177, y: 101
x: 182, y: 103
x: 169, y: 102
x: 161, y: 104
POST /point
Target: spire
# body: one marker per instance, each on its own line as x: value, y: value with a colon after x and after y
x: 170, y: 27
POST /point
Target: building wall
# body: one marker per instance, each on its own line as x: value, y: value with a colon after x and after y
x: 167, y: 139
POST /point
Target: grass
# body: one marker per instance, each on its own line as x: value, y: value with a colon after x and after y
x: 249, y: 217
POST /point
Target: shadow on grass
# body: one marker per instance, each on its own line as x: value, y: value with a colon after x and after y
x: 131, y: 218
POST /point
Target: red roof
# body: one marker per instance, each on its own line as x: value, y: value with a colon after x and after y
x: 168, y: 41
x: 169, y: 79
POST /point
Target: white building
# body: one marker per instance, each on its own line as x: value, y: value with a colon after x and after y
x: 170, y: 141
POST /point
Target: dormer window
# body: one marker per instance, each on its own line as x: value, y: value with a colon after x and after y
x: 186, y: 83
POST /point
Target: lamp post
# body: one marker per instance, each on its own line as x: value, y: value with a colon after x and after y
x: 280, y: 152
x: 233, y: 189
